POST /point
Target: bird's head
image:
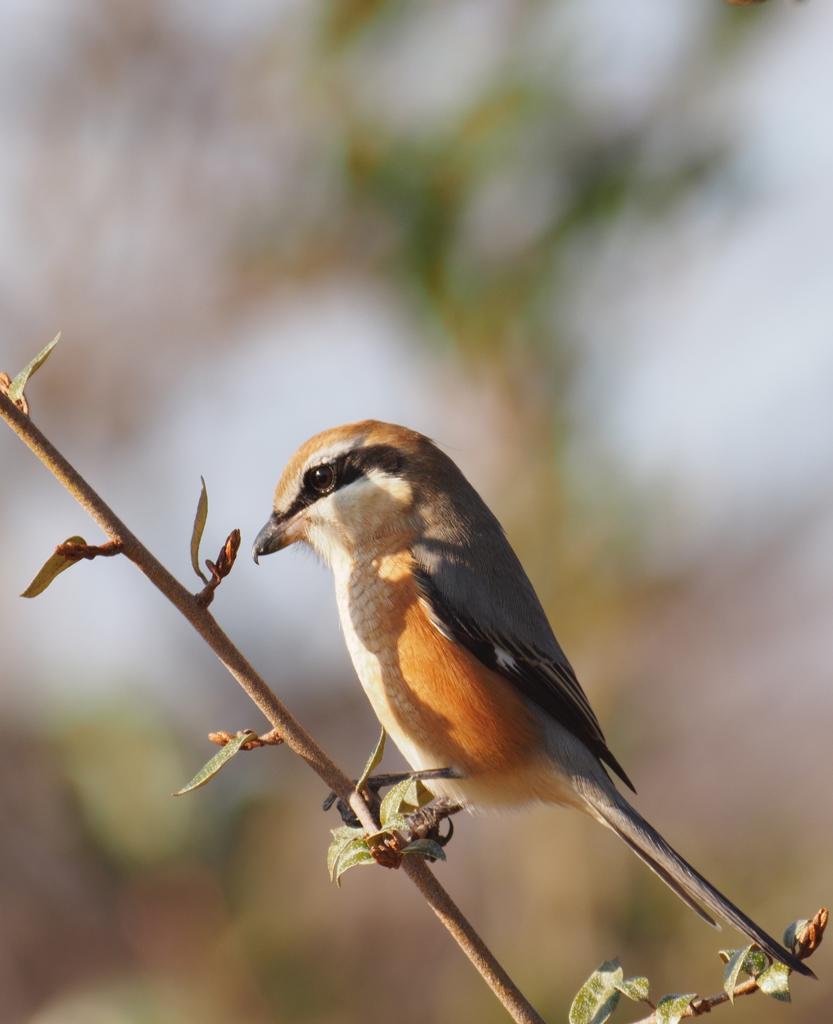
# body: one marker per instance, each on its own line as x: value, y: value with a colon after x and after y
x: 348, y: 489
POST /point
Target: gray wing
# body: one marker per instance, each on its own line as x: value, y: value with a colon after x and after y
x: 495, y: 614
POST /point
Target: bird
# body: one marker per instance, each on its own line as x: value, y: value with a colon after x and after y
x: 452, y: 646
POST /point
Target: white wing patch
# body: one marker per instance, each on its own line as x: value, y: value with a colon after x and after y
x: 505, y: 660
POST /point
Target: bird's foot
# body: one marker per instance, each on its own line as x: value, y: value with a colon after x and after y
x: 376, y: 783
x: 425, y: 823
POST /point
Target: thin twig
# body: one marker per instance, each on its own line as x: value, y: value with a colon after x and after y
x: 79, y: 551
x: 293, y: 733
x: 806, y: 944
x: 225, y: 561
x: 268, y: 739
x: 700, y: 1006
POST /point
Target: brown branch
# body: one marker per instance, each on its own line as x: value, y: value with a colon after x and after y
x: 806, y: 944
x: 281, y: 720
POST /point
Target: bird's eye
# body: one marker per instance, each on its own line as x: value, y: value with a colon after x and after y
x: 322, y: 479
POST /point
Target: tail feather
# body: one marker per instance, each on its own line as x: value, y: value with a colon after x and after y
x: 679, y: 875
x: 668, y: 878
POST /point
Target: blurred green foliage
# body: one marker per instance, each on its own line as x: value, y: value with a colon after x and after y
x: 124, y: 765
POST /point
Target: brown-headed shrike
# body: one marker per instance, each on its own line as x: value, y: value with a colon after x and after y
x: 451, y: 643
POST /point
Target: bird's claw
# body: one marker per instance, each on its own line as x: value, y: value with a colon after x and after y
x: 376, y: 783
x: 425, y: 823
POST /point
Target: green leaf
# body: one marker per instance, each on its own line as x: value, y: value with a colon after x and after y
x: 775, y: 981
x: 417, y: 795
x: 196, y: 534
x: 733, y: 968
x: 598, y: 996
x: 18, y: 385
x: 395, y: 823
x: 53, y: 567
x: 355, y: 853
x: 793, y: 932
x: 753, y: 963
x: 209, y: 770
x: 636, y: 989
x: 347, y: 831
x: 426, y: 848
x: 374, y: 759
x: 671, y: 1008
x: 342, y: 837
x: 392, y: 802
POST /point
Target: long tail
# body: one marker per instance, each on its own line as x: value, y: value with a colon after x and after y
x: 612, y: 808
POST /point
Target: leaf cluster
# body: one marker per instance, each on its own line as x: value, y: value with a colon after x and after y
x: 600, y: 994
x: 352, y: 847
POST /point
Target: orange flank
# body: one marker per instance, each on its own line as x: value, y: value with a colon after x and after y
x: 441, y: 706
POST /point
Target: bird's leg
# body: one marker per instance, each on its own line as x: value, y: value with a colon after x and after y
x: 377, y: 782
x: 425, y: 823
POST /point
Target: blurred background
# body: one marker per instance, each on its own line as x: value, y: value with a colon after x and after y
x: 585, y: 245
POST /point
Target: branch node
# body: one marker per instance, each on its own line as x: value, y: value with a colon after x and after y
x: 21, y: 403
x: 78, y: 551
x: 387, y: 851
x: 268, y: 739
x: 811, y: 935
x: 220, y: 569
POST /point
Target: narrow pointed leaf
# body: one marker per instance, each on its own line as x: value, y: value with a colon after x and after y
x: 416, y: 796
x: 775, y: 981
x: 53, y: 567
x: 347, y: 831
x: 209, y: 770
x: 793, y: 932
x: 196, y: 534
x: 18, y: 385
x: 636, y: 989
x: 671, y: 1008
x: 394, y: 823
x: 598, y: 996
x: 342, y: 837
x: 426, y: 848
x: 374, y: 760
x: 356, y: 853
x: 391, y: 803
x: 733, y: 969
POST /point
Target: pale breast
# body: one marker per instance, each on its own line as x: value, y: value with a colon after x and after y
x: 370, y: 598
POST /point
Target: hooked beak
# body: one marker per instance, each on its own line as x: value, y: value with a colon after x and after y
x: 278, y: 533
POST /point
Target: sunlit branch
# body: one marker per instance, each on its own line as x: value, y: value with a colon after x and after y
x: 294, y: 735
